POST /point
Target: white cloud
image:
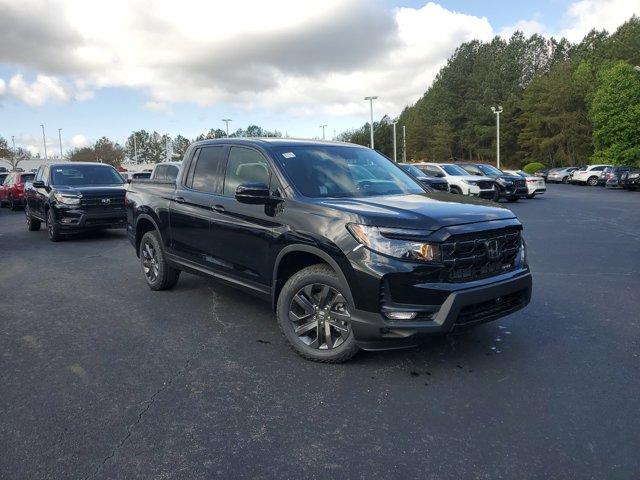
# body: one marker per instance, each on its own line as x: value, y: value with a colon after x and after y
x: 3, y: 87
x: 33, y: 143
x: 78, y: 141
x: 37, y: 92
x: 585, y: 15
x: 156, y: 106
x: 527, y: 27
x: 287, y: 56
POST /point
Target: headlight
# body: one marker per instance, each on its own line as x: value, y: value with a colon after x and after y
x: 67, y: 199
x: 470, y: 182
x: 395, y: 242
x: 634, y: 175
x: 523, y: 252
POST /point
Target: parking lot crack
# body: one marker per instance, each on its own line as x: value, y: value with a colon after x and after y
x: 141, y: 414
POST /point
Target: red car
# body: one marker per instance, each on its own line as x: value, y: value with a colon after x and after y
x: 12, y: 189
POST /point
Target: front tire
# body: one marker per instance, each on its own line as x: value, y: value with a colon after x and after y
x: 592, y: 181
x: 565, y: 180
x: 513, y: 199
x: 456, y: 190
x: 12, y: 205
x: 314, y: 316
x: 157, y: 272
x: 53, y: 229
x: 531, y: 195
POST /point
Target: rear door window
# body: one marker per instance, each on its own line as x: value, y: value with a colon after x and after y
x: 207, y: 170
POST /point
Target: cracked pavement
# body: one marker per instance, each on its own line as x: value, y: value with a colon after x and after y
x: 100, y: 378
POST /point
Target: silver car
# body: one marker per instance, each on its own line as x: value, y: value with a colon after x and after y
x: 560, y: 175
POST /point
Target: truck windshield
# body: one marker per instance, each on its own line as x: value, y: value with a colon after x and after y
x: 75, y: 175
x: 328, y: 171
x: 489, y: 170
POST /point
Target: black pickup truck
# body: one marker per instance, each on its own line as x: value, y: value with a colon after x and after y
x: 75, y: 196
x: 351, y: 251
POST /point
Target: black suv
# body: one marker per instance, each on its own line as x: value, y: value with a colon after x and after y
x: 511, y: 187
x: 70, y: 197
x: 351, y: 251
x: 439, y: 184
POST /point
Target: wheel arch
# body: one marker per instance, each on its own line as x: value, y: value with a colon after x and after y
x: 145, y: 223
x: 294, y: 258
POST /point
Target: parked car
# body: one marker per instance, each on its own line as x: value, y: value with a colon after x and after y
x: 559, y: 175
x: 544, y: 172
x: 128, y: 176
x: 588, y: 175
x: 631, y: 179
x: 535, y: 185
x: 459, y: 180
x: 71, y: 197
x: 435, y: 183
x: 12, y: 189
x: 610, y: 176
x: 347, y: 262
x: 511, y: 187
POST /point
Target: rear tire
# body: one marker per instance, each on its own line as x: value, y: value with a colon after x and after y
x: 565, y: 180
x: 53, y: 229
x: 513, y: 199
x: 456, y: 190
x: 12, y: 206
x: 157, y: 272
x: 33, y: 224
x: 313, y: 313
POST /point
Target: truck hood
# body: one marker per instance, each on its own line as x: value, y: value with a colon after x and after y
x: 90, y: 190
x: 428, y: 211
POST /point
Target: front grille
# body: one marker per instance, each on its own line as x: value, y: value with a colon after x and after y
x: 94, y: 204
x: 520, y: 183
x: 486, y: 311
x: 468, y: 258
x: 439, y: 186
x: 485, y: 184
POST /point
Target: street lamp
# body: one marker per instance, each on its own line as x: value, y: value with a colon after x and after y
x: 395, y: 148
x: 404, y: 144
x: 371, y: 99
x: 323, y: 127
x: 44, y: 141
x: 226, y: 121
x: 60, y: 141
x: 497, y: 112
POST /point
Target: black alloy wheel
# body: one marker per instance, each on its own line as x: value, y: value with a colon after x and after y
x: 320, y: 316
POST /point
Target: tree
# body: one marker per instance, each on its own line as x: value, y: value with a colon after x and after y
x: 615, y: 113
x: 13, y: 156
x: 104, y: 151
x: 180, y: 145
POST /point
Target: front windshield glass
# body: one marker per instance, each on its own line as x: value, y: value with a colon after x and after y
x: 413, y: 170
x: 489, y: 170
x: 76, y: 175
x: 455, y: 170
x: 327, y: 171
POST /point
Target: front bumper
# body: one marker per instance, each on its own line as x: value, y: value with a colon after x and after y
x: 463, y: 307
x: 77, y: 219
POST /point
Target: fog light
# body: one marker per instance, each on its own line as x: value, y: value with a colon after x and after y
x: 400, y: 315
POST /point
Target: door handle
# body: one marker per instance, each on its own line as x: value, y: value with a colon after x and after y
x: 218, y: 208
x: 179, y: 199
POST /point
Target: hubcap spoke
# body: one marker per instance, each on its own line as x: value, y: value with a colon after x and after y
x: 302, y: 329
x: 304, y: 302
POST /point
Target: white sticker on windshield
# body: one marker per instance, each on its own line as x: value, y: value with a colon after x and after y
x: 288, y: 155
x: 58, y: 169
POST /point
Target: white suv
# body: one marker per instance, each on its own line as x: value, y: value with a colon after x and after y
x: 459, y: 179
x: 588, y: 175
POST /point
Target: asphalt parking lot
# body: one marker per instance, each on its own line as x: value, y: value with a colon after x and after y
x: 102, y: 378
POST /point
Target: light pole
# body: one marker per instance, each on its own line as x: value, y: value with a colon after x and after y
x: 323, y: 127
x: 226, y: 121
x: 395, y: 148
x: 371, y: 99
x: 497, y: 111
x: 13, y: 148
x: 60, y: 141
x: 404, y: 144
x: 44, y: 141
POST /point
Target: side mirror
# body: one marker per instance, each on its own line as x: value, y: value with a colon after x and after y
x: 128, y: 180
x: 38, y: 184
x: 254, y: 194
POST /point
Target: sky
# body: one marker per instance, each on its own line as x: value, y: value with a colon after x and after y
x: 107, y: 68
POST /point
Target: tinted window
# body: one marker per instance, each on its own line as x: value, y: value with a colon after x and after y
x: 245, y: 166
x: 339, y: 171
x: 141, y: 175
x: 413, y: 170
x: 597, y: 169
x: 85, y: 175
x: 160, y: 173
x: 206, y: 172
x: 171, y: 173
x: 470, y: 169
x: 27, y: 177
x: 455, y: 170
x: 431, y: 170
x: 5, y: 179
x: 489, y: 170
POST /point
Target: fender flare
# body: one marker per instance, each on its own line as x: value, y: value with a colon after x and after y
x: 315, y: 251
x: 145, y: 216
